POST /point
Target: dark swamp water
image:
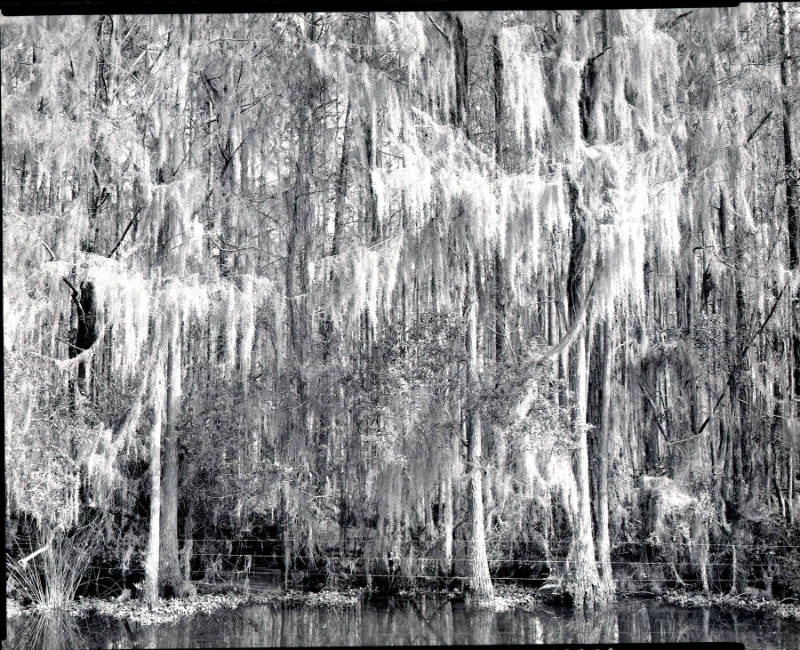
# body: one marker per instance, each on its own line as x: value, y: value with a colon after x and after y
x: 409, y: 622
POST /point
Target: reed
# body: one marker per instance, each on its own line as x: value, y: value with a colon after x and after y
x: 50, y: 579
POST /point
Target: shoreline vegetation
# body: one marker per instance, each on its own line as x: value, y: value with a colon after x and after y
x: 506, y: 597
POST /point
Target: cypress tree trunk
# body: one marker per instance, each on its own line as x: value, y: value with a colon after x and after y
x: 582, y: 580
x: 479, y: 581
x: 151, y: 561
x: 170, y: 578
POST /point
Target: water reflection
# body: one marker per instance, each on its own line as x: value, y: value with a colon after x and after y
x: 51, y: 631
x: 425, y: 621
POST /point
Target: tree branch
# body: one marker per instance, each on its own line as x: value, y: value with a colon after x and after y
x: 127, y: 228
x: 679, y: 17
x: 572, y: 332
x: 758, y: 128
x: 597, y: 56
x: 655, y: 410
x: 49, y: 250
x: 24, y: 561
x: 75, y: 295
x: 438, y: 29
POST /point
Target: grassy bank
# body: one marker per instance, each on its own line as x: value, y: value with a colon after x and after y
x: 734, y: 602
x: 171, y: 610
x: 507, y: 597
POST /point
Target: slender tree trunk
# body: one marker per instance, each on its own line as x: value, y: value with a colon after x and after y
x: 188, y: 545
x: 787, y: 82
x: 287, y: 541
x: 499, y: 268
x: 446, y: 504
x: 604, y: 434
x: 153, y: 542
x: 792, y: 207
x: 169, y: 563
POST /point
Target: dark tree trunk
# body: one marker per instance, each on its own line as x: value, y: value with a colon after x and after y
x: 499, y: 267
x: 792, y: 207
x: 603, y: 437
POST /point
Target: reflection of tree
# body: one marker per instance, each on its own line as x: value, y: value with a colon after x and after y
x: 481, y: 625
x: 442, y: 613
x: 640, y: 626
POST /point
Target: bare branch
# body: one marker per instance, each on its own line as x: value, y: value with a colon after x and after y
x: 438, y: 29
x: 572, y: 332
x: 127, y: 228
x: 758, y: 128
x: 49, y: 250
x: 75, y: 295
x: 680, y: 17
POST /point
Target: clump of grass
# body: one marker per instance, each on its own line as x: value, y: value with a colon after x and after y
x: 50, y: 580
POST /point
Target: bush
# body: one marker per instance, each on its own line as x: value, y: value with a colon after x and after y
x: 50, y: 580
